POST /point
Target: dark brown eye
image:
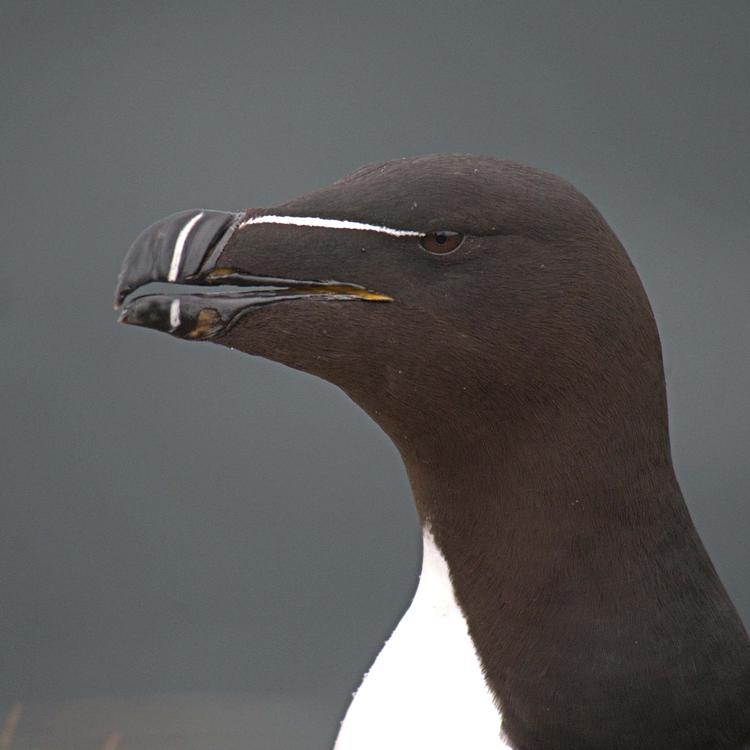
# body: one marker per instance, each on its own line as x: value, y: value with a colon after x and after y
x: 441, y: 242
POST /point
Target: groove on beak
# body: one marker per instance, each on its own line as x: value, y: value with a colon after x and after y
x: 174, y: 249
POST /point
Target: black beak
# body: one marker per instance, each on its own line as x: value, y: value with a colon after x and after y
x: 175, y: 249
x: 184, y: 249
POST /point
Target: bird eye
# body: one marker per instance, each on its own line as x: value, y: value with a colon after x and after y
x: 441, y: 242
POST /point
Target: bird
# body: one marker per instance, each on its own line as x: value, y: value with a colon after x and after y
x: 487, y: 318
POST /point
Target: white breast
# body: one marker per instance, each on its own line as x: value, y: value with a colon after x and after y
x: 426, y: 688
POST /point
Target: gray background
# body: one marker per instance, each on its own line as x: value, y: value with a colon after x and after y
x: 153, y: 535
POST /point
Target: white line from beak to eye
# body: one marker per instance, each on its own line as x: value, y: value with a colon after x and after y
x: 179, y: 247
x: 174, y: 315
x: 314, y: 221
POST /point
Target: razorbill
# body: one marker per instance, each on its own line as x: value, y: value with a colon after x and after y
x: 487, y: 318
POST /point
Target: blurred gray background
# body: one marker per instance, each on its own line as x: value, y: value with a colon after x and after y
x: 153, y: 538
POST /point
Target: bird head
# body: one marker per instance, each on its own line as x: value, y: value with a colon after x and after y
x: 411, y: 284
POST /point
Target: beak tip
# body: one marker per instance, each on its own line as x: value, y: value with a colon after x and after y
x: 175, y: 248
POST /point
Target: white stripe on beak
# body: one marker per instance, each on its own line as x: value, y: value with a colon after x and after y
x: 179, y: 247
x: 174, y: 315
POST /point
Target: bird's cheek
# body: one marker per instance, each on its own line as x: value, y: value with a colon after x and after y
x: 324, y: 338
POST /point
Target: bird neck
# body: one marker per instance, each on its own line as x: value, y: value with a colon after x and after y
x: 597, y: 615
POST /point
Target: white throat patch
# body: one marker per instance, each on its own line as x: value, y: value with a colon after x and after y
x: 314, y: 221
x: 426, y: 688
